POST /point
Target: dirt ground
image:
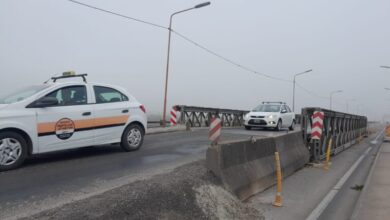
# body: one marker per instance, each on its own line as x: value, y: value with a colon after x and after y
x: 188, y: 192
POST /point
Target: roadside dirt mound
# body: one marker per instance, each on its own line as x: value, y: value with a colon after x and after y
x: 189, y: 192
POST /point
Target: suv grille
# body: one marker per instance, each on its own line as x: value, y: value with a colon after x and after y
x: 257, y: 122
x: 257, y: 116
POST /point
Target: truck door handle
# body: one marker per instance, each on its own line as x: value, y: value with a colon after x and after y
x: 86, y: 113
x: 125, y: 111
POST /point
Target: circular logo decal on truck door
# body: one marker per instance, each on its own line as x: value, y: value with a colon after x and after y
x: 64, y: 128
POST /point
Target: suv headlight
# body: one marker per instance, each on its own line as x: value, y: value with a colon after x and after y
x: 272, y: 116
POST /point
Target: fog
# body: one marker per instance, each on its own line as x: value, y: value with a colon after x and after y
x: 343, y: 41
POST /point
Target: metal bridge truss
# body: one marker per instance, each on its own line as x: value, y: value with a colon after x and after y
x: 344, y: 130
x: 200, y: 117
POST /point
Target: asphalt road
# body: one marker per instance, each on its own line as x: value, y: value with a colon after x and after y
x: 50, y: 180
x: 344, y: 203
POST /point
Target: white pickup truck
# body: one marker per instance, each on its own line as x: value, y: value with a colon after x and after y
x: 65, y: 115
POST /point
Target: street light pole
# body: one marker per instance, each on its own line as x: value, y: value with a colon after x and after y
x: 293, y: 103
x: 347, y: 102
x: 360, y: 110
x: 168, y: 55
x: 331, y: 94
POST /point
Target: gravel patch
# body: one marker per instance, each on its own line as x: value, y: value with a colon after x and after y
x: 188, y: 192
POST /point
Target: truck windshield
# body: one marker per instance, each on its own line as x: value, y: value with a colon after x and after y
x: 267, y: 108
x: 21, y: 94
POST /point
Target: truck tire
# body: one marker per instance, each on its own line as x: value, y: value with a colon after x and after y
x: 279, y: 125
x: 13, y: 150
x: 132, y: 138
x: 291, y: 128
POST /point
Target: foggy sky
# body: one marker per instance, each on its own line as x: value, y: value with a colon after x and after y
x: 343, y: 41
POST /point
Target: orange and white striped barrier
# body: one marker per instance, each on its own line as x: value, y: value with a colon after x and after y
x: 317, y: 125
x: 215, y: 130
x: 173, y: 116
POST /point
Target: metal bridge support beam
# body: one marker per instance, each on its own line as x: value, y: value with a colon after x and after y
x: 343, y: 128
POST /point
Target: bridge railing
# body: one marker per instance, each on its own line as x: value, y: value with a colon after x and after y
x: 200, y: 116
x: 344, y: 130
x: 194, y: 116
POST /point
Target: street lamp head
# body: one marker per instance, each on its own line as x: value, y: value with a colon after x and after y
x: 336, y: 91
x: 331, y: 94
x: 387, y: 88
x: 307, y: 71
x: 202, y: 5
x: 386, y: 67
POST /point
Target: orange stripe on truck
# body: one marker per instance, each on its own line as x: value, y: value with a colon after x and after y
x: 48, y: 127
x: 110, y: 120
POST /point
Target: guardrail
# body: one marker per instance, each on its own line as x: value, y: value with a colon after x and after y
x: 344, y: 130
x: 200, y: 117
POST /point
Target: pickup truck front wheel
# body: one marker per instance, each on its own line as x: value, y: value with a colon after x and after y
x: 13, y: 150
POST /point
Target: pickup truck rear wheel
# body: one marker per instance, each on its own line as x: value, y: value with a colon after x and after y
x: 292, y: 126
x: 132, y: 138
x: 13, y: 150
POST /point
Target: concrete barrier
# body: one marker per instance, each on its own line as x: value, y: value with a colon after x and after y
x: 293, y: 152
x: 247, y: 167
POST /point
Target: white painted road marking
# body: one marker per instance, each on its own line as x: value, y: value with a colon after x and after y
x: 376, y: 139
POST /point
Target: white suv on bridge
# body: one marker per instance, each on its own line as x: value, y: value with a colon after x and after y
x: 59, y: 116
x: 275, y: 115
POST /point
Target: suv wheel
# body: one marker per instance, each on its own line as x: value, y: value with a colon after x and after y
x: 279, y: 125
x: 132, y: 138
x: 13, y: 150
x: 292, y: 126
x: 248, y: 127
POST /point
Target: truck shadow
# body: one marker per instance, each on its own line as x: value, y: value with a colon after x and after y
x: 73, y: 154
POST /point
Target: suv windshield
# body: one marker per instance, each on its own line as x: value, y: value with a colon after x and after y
x: 267, y: 108
x: 22, y: 94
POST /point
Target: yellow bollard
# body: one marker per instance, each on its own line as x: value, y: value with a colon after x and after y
x: 278, y: 197
x: 326, y: 167
x: 360, y: 138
